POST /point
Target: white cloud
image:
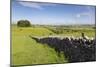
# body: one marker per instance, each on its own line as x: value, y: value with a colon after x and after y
x: 78, y: 15
x: 83, y: 14
x: 34, y: 4
x: 89, y: 12
x: 31, y: 5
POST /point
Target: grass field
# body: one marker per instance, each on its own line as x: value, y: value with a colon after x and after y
x: 27, y: 51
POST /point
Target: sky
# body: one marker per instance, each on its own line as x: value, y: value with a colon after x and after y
x: 52, y: 14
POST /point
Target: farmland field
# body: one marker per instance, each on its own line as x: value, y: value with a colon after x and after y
x: 26, y: 51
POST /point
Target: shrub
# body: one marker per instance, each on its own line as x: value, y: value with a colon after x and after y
x: 23, y: 23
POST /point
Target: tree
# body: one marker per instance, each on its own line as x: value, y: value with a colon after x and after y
x: 23, y: 23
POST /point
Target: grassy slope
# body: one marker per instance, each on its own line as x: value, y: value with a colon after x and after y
x: 27, y: 51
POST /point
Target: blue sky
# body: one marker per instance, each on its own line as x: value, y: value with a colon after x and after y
x: 52, y: 14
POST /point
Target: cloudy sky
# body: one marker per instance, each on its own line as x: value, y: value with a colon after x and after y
x: 52, y: 14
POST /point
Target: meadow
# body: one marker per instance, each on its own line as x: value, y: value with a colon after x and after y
x: 26, y: 51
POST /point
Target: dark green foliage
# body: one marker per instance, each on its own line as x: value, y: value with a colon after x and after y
x: 23, y: 23
x: 94, y: 27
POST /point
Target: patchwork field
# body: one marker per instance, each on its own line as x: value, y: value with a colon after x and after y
x: 26, y: 51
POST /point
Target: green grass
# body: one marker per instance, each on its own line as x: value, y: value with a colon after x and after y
x: 26, y: 51
x: 30, y: 31
x: 71, y: 31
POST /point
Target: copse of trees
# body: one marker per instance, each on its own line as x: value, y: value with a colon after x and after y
x: 23, y: 23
